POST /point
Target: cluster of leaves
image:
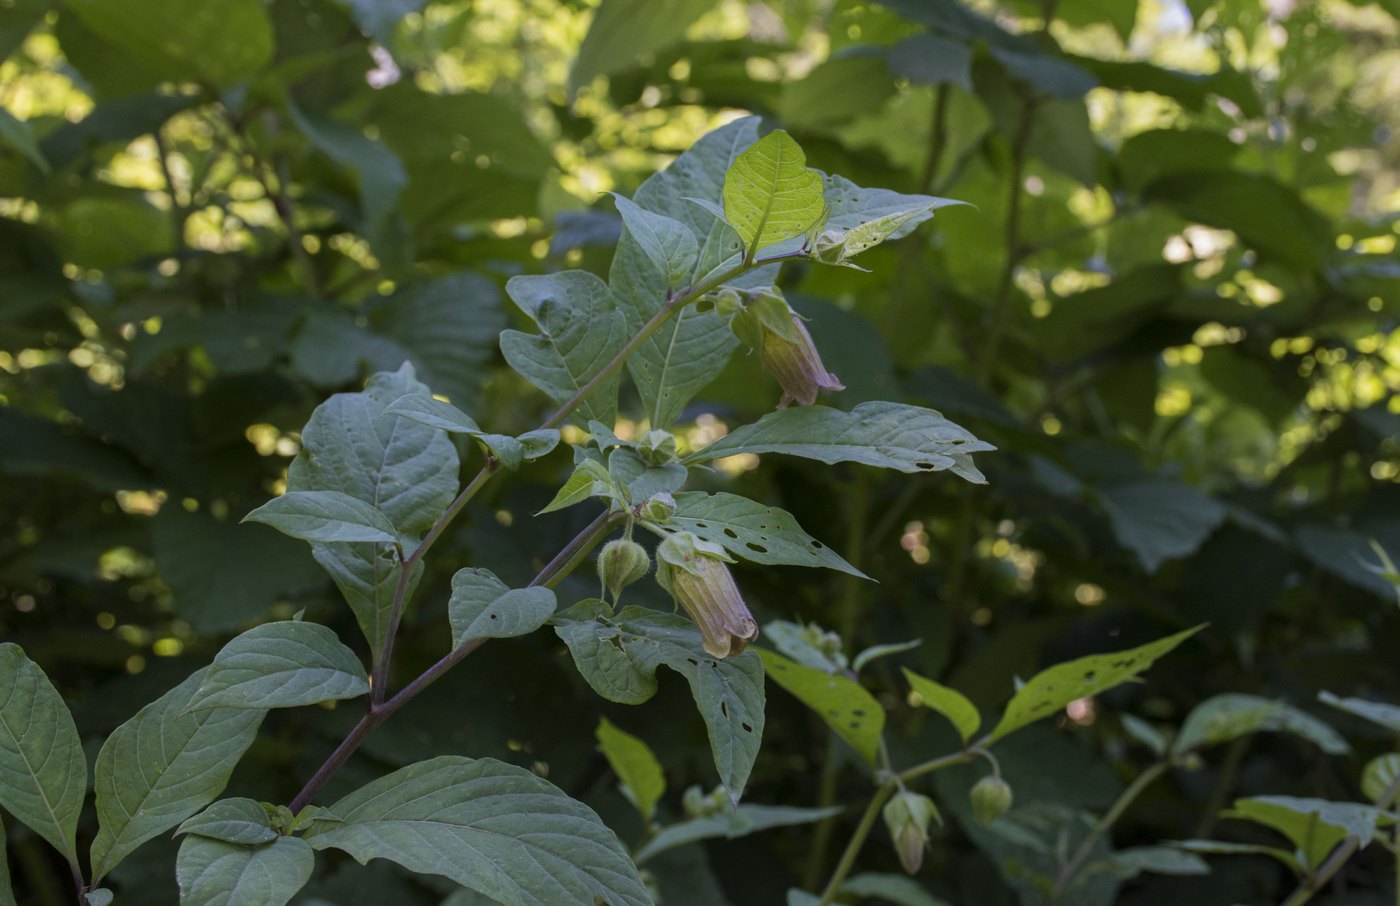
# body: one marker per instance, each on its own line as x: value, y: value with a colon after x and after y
x: 1171, y: 308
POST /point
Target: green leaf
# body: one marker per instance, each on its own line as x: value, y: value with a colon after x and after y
x: 484, y: 607
x: 851, y: 712
x: 7, y: 894
x: 624, y: 31
x: 434, y: 413
x: 732, y: 824
x: 875, y: 652
x: 809, y: 645
x: 1379, y: 775
x: 897, y: 889
x: 1221, y: 848
x: 19, y: 135
x: 1387, y: 716
x: 491, y: 827
x: 770, y: 195
x: 668, y: 244
x: 636, y: 767
x: 162, y: 766
x: 1314, y: 826
x: 1052, y: 689
x: 836, y: 90
x: 758, y: 533
x: 512, y: 452
x: 618, y: 655
x: 405, y: 470
x: 1160, y: 520
x: 322, y: 516
x: 1231, y: 715
x: 678, y: 361
x: 590, y: 479
x: 1127, y: 864
x: 885, y: 435
x: 222, y: 42
x: 861, y: 219
x: 43, y: 772
x: 282, y: 665
x: 241, y: 821
x: 215, y: 873
x: 926, y: 59
x: 99, y: 897
x: 380, y: 175
x: 947, y: 701
x: 580, y: 332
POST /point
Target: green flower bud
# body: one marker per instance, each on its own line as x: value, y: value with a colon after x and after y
x: 728, y: 303
x: 658, y: 507
x: 1379, y: 774
x: 699, y: 804
x: 658, y: 447
x: 991, y: 798
x: 621, y: 563
x: 908, y: 816
x: 693, y: 571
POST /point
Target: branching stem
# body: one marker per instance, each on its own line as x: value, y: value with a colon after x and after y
x: 1110, y: 818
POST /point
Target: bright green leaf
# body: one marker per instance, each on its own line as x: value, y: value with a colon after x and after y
x: 590, y: 479
x: 282, y: 665
x: 215, y: 873
x: 484, y: 607
x: 770, y: 195
x: 635, y: 766
x: 1314, y: 826
x: 1050, y: 690
x: 851, y: 712
x: 618, y: 655
x: 947, y: 701
x: 494, y: 828
x: 754, y: 532
x: 43, y: 771
x: 580, y: 332
x: 162, y: 766
x: 325, y: 516
x: 1231, y: 715
x: 241, y: 821
x: 885, y: 435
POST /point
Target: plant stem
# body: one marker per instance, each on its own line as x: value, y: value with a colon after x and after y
x: 938, y: 764
x: 848, y: 858
x: 79, y: 883
x: 1120, y: 805
x: 1229, y: 767
x: 564, y: 563
x: 1341, y: 855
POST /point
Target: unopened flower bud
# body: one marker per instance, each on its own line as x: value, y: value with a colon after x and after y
x: 658, y: 507
x: 694, y: 572
x: 908, y: 816
x: 699, y: 804
x: 621, y: 563
x: 991, y: 798
x: 658, y: 447
x: 728, y: 303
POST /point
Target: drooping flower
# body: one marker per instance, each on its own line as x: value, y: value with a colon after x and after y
x: 991, y: 798
x: 786, y: 348
x: 907, y: 816
x: 694, y: 572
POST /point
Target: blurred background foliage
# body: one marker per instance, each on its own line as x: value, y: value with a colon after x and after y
x: 1173, y: 308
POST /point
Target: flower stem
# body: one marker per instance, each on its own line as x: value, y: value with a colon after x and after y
x: 1120, y: 805
x: 867, y: 823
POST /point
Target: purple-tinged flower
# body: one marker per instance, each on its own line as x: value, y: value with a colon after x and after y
x: 694, y: 572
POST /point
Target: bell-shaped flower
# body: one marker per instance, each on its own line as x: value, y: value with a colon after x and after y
x: 785, y: 346
x: 694, y: 572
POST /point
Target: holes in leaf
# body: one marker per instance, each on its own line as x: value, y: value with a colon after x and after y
x: 701, y: 525
x: 926, y: 466
x: 729, y: 532
x: 693, y: 662
x: 756, y: 548
x: 817, y: 545
x: 724, y: 709
x: 747, y: 728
